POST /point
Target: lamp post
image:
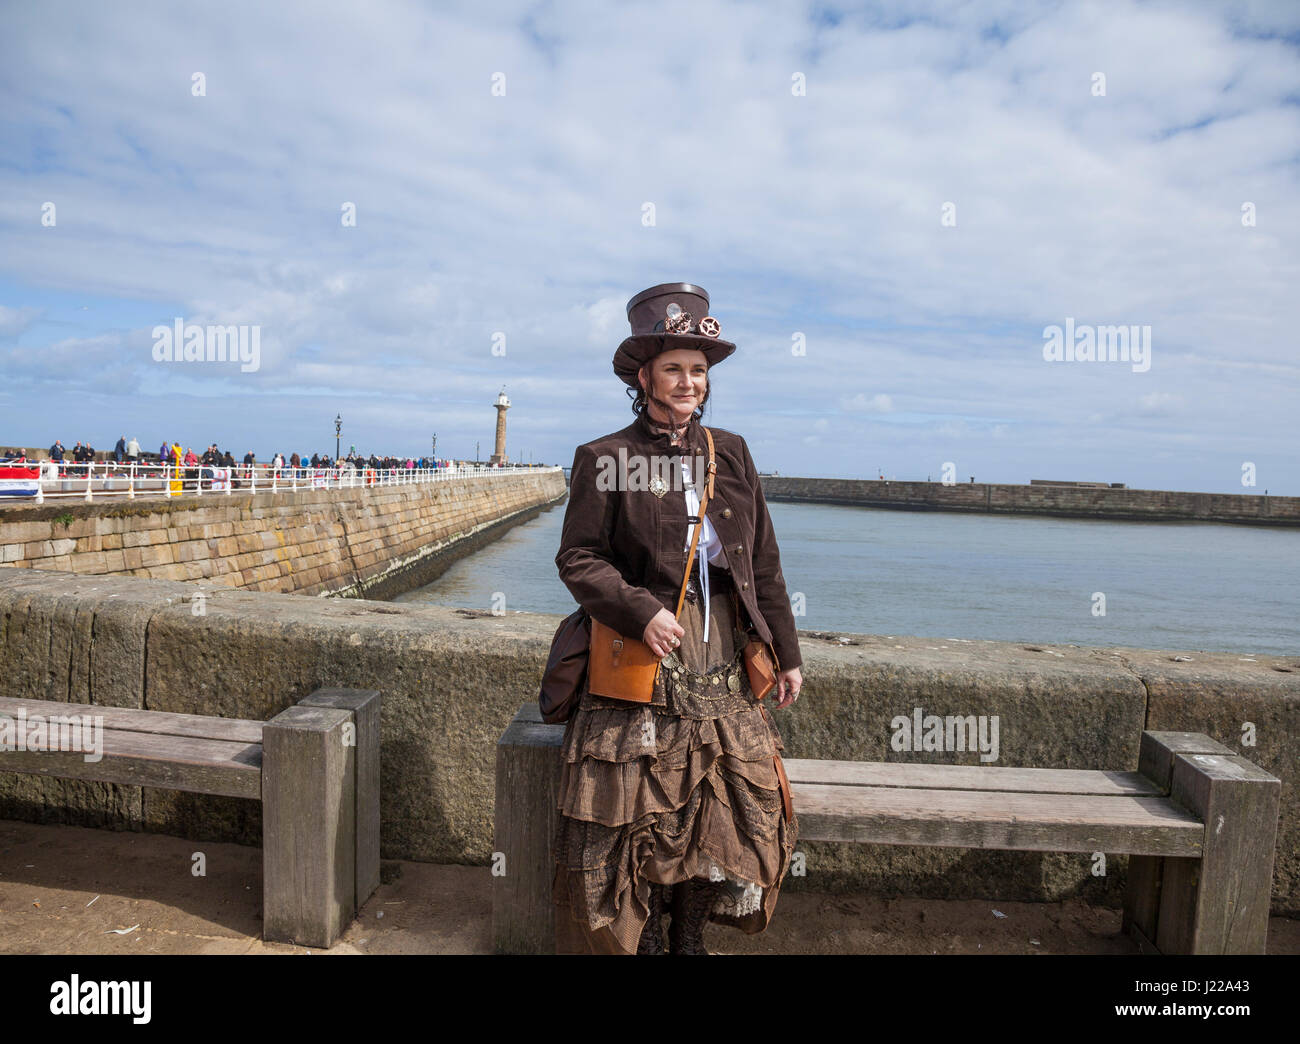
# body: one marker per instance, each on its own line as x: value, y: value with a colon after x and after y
x: 338, y: 432
x: 476, y: 453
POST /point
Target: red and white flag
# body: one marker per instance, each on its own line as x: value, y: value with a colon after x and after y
x: 19, y: 480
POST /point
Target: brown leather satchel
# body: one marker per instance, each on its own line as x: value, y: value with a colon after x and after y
x: 761, y: 663
x: 623, y: 668
x: 762, y: 666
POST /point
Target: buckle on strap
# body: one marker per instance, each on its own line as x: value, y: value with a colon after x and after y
x: 693, y: 519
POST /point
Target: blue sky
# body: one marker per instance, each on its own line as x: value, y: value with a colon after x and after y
x: 818, y: 213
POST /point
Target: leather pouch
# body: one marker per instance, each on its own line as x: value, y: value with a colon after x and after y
x: 620, y: 668
x: 760, y: 665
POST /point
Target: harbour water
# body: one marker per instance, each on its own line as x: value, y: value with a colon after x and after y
x: 1166, y: 585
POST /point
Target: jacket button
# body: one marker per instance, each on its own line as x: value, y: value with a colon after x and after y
x: 744, y: 586
x: 740, y: 548
x: 726, y: 512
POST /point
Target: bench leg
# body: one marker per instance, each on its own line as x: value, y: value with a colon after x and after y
x: 523, y: 871
x: 1142, y: 900
x: 309, y: 844
x: 364, y: 704
x: 1220, y: 903
x: 1156, y: 755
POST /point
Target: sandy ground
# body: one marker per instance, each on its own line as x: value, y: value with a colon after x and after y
x: 66, y: 890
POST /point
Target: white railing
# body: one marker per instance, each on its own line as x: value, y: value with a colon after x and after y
x: 95, y: 479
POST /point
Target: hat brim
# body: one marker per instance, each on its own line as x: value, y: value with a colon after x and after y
x: 639, y: 349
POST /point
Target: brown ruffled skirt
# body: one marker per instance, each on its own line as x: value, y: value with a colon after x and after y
x: 683, y: 787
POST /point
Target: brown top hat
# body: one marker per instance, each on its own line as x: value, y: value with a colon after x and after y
x: 668, y: 316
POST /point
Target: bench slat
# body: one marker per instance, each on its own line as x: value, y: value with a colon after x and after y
x: 172, y: 762
x: 129, y: 719
x: 1022, y: 822
x: 970, y: 777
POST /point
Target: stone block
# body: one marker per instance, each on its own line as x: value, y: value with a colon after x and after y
x: 191, y: 551
x: 88, y: 562
x: 28, y: 532
x: 155, y: 554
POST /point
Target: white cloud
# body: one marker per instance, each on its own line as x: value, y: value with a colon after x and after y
x: 1159, y: 404
x: 878, y: 403
x: 13, y: 321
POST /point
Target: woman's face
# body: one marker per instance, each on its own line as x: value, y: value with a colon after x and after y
x: 680, y: 379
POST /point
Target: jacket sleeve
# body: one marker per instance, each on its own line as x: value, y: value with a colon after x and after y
x: 769, y: 582
x: 586, y: 557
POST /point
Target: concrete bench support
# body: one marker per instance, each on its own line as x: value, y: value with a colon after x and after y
x: 364, y: 706
x: 527, y: 797
x: 309, y: 826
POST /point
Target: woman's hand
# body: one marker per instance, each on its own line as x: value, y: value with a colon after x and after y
x: 663, y: 633
x: 788, y: 684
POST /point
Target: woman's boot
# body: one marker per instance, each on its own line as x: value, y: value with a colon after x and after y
x: 692, y: 901
x: 652, y: 935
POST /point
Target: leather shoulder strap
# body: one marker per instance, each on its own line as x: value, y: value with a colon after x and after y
x: 695, y: 537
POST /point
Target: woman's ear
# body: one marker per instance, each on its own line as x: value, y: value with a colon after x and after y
x: 641, y: 376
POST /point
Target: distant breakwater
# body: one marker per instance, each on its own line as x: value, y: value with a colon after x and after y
x: 1132, y: 505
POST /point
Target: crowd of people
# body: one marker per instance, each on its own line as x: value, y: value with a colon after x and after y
x: 356, y: 461
x: 185, y: 465
x: 171, y: 453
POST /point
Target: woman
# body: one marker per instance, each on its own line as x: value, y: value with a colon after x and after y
x: 676, y: 806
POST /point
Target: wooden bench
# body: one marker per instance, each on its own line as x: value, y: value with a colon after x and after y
x: 314, y: 767
x: 1190, y: 890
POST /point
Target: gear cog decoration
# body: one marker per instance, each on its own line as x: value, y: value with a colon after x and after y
x: 679, y: 323
x: 709, y: 326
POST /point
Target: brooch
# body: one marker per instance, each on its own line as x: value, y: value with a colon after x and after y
x: 658, y: 486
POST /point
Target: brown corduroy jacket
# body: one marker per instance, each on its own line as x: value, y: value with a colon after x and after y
x: 623, y: 549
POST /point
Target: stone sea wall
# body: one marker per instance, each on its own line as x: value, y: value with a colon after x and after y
x: 1150, y: 505
x: 375, y: 541
x: 452, y: 680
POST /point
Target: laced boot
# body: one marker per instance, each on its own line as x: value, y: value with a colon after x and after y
x: 652, y: 935
x: 692, y: 901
